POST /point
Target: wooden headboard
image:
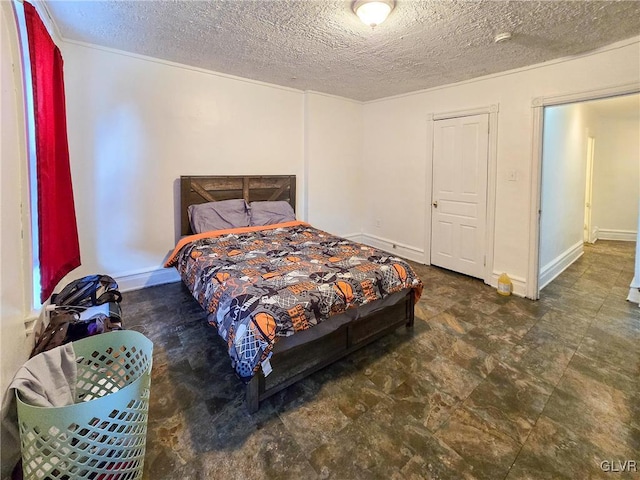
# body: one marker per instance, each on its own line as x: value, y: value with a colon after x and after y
x: 201, y: 189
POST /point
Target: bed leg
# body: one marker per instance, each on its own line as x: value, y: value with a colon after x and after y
x: 410, y: 309
x: 252, y: 394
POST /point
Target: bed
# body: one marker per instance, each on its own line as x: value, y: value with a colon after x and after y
x: 264, y: 287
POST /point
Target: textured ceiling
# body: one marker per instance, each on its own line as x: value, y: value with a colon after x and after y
x: 321, y: 45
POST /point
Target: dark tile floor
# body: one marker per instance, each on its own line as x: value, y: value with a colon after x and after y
x: 483, y: 387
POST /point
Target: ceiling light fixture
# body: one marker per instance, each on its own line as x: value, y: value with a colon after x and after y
x: 373, y: 12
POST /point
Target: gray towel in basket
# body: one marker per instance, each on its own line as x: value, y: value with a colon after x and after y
x: 46, y: 380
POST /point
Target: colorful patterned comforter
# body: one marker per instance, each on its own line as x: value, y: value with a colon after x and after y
x: 261, y: 283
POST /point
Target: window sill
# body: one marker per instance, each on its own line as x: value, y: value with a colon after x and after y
x: 31, y: 321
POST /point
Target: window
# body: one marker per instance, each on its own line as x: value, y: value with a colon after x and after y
x: 55, y: 246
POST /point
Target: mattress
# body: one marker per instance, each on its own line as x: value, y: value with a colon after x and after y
x: 333, y: 323
x: 261, y: 285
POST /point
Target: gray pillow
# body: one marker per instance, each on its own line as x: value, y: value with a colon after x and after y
x: 205, y: 217
x: 269, y: 213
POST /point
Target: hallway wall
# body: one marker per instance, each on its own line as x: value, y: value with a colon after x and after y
x: 616, y: 177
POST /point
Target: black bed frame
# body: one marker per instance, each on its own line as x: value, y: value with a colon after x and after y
x: 294, y: 363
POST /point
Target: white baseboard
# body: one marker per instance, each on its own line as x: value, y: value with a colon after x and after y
x: 634, y: 295
x: 519, y: 284
x: 354, y: 237
x: 620, y: 235
x: 390, y: 246
x: 559, y: 264
x: 148, y: 278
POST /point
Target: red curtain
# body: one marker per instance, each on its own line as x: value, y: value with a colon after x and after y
x: 58, y: 231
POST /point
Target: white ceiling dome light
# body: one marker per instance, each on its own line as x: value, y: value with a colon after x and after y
x: 373, y: 12
x: 502, y: 37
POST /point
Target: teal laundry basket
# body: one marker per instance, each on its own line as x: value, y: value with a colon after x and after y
x: 103, y: 435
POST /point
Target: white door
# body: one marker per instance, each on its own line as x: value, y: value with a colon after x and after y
x: 459, y: 203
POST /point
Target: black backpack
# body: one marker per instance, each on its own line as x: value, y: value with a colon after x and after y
x: 65, y: 324
x: 88, y: 291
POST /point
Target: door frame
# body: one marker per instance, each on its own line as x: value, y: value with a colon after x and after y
x: 588, y: 200
x: 489, y: 277
x: 538, y: 104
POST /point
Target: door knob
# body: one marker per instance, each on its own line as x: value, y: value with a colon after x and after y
x: 435, y: 204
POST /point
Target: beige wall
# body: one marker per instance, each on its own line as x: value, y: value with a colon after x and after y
x: 616, y: 177
x: 333, y: 151
x: 135, y: 125
x: 563, y: 183
x: 395, y: 148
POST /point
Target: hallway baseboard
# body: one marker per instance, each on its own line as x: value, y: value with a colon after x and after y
x: 559, y: 264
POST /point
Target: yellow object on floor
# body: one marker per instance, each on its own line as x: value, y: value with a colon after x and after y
x: 504, y: 285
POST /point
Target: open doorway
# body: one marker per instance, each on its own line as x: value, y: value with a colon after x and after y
x: 590, y: 183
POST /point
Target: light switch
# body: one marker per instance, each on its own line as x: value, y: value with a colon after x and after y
x: 512, y: 175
